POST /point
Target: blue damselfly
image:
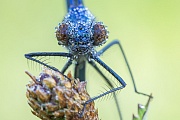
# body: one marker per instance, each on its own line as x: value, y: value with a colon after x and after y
x: 81, y: 33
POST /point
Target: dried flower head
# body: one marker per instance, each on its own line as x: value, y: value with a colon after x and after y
x: 55, y: 97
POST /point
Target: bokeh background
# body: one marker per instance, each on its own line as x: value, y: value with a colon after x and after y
x: 149, y: 31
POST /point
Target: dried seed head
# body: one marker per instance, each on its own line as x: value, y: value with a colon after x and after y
x: 49, y: 82
x: 53, y: 96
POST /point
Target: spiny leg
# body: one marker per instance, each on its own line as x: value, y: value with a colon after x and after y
x: 116, y: 42
x: 31, y: 55
x: 114, y: 74
x: 111, y: 86
x: 98, y: 60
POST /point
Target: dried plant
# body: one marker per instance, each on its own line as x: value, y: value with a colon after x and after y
x: 52, y: 96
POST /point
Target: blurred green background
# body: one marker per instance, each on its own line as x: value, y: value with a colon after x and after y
x: 149, y: 31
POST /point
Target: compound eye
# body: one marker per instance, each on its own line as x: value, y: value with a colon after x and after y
x: 61, y: 34
x: 100, y: 34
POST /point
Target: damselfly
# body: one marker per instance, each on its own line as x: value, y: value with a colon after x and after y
x: 80, y: 33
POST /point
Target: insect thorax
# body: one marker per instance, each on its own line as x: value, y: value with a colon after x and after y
x: 79, y: 31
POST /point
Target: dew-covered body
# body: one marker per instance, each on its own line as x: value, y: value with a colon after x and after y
x: 80, y: 32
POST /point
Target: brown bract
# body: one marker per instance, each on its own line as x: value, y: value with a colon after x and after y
x: 55, y: 97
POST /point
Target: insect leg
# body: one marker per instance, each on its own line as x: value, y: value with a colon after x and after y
x: 66, y: 66
x: 31, y: 55
x: 97, y: 59
x: 116, y: 42
x: 123, y: 84
x: 111, y: 86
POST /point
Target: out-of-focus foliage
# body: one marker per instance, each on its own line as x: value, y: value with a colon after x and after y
x: 142, y: 111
